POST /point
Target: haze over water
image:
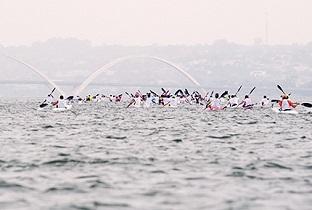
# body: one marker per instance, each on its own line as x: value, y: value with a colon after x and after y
x: 104, y: 156
x: 107, y: 156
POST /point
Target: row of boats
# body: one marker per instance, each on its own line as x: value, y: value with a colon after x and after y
x: 210, y: 101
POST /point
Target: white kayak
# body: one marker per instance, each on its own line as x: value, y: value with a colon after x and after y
x: 277, y: 110
x: 57, y: 109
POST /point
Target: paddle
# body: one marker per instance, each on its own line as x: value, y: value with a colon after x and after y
x: 248, y: 95
x: 186, y: 92
x: 275, y: 100
x: 238, y: 90
x: 177, y: 92
x: 128, y: 94
x: 70, y: 98
x: 208, y: 101
x: 281, y: 89
x: 309, y: 105
x: 43, y: 103
x: 252, y: 91
x: 165, y: 93
x: 203, y: 99
x: 223, y: 94
x: 52, y: 92
x: 155, y: 94
x: 132, y: 102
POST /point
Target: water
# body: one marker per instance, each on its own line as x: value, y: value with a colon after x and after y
x: 108, y: 157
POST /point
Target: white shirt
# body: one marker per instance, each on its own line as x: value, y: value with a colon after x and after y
x: 265, y: 102
x: 61, y: 103
x: 49, y: 99
x: 285, y: 104
x: 234, y: 101
x: 137, y: 102
x: 247, y: 102
x: 215, y: 102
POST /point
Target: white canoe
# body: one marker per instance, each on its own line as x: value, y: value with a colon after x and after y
x: 68, y: 107
x: 277, y: 110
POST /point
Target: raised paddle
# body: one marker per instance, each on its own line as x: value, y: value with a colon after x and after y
x: 238, y: 90
x: 208, y: 101
x: 155, y: 94
x: 224, y: 94
x: 43, y: 104
x: 131, y: 102
x: 128, y: 95
x: 52, y: 92
x: 248, y: 95
x: 252, y: 91
x: 281, y: 89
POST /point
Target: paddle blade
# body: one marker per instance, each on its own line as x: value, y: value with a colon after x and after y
x: 223, y: 94
x: 274, y: 101
x: 252, y: 90
x: 43, y: 105
x: 238, y: 89
x: 281, y: 89
x: 309, y: 105
x: 70, y: 98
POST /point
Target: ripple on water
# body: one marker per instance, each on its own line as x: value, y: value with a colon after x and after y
x: 276, y: 165
x: 182, y: 159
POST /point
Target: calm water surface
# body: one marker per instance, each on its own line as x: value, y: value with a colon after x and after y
x: 104, y: 156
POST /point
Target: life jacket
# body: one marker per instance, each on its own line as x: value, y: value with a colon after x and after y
x: 286, y: 104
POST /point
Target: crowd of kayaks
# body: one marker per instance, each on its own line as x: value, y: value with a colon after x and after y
x: 210, y: 101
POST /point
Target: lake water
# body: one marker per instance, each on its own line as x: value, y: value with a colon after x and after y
x: 102, y: 156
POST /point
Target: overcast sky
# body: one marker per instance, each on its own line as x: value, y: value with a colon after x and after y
x: 143, y: 22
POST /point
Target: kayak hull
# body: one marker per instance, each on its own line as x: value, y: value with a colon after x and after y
x: 277, y: 110
x: 62, y: 109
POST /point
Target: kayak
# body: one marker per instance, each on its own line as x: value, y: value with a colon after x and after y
x: 277, y: 110
x: 68, y: 107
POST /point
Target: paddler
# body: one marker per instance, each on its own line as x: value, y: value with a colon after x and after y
x: 215, y: 103
x: 247, y: 103
x: 234, y: 100
x: 265, y: 101
x: 286, y: 104
x: 61, y: 103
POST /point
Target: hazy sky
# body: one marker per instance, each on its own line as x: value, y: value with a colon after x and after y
x: 142, y: 22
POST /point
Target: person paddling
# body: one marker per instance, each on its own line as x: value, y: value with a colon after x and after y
x: 265, y: 101
x: 246, y: 103
x: 234, y: 100
x: 215, y: 103
x: 61, y: 103
x: 286, y: 104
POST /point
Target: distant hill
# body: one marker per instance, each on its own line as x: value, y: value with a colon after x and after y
x: 221, y: 64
